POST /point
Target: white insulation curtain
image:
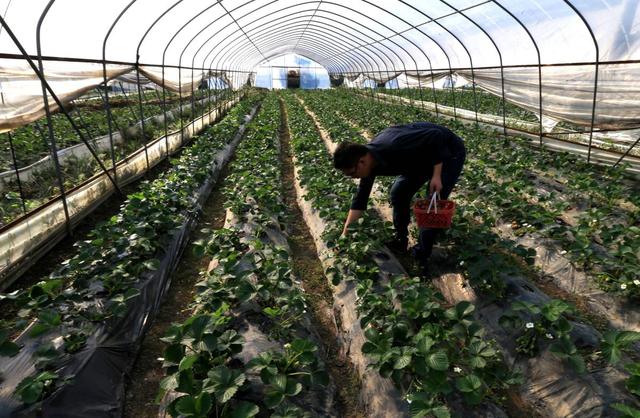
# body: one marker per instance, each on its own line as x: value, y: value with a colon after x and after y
x: 371, y: 42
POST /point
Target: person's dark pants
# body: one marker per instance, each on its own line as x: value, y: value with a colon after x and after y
x: 405, y: 187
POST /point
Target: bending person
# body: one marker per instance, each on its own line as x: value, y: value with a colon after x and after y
x: 415, y: 153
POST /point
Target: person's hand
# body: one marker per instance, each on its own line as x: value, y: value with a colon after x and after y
x: 435, y: 185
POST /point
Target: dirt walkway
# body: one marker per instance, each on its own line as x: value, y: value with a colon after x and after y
x: 307, y: 267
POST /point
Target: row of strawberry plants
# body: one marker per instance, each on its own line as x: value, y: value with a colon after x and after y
x: 617, y: 268
x: 488, y: 259
x: 252, y: 282
x: 31, y: 142
x: 431, y: 352
x: 44, y: 183
x: 465, y: 98
x: 96, y: 287
x: 541, y: 324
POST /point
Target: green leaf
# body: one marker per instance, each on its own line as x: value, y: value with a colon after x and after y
x: 245, y: 409
x: 280, y: 382
x: 167, y: 384
x: 438, y: 361
x: 293, y: 388
x: 577, y: 363
x: 403, y: 361
x: 300, y: 346
x: 477, y: 362
x: 460, y: 311
x: 187, y: 361
x: 9, y: 349
x: 627, y: 411
x: 633, y: 385
x: 554, y: 308
x: 151, y: 264
x: 424, y: 344
x: 224, y: 382
x: 245, y: 291
x: 273, y: 398
x: 468, y: 383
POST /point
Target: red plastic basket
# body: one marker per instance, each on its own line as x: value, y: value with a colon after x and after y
x: 433, y: 213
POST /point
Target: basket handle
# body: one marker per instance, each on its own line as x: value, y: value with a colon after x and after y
x: 433, y: 203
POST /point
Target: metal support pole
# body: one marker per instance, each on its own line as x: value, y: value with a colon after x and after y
x: 48, y: 88
x: 52, y: 139
x: 15, y: 166
x: 626, y: 152
x: 140, y: 108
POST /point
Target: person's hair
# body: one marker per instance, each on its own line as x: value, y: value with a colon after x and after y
x: 347, y: 155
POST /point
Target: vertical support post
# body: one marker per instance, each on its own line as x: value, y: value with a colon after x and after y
x: 15, y: 166
x: 164, y: 112
x: 140, y: 107
x: 107, y: 108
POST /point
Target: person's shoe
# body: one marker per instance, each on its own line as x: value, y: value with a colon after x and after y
x: 398, y: 245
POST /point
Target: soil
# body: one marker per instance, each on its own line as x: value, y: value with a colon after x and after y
x: 307, y: 267
x: 147, y: 372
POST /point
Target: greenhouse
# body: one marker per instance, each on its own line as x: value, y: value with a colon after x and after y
x: 400, y: 208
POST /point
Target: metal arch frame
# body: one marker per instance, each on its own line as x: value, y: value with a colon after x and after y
x: 504, y: 117
x: 313, y: 28
x: 333, y: 20
x: 328, y: 18
x: 52, y: 145
x: 297, y: 14
x: 539, y: 66
x: 46, y: 85
x: 166, y: 140
x: 206, y: 9
x: 164, y: 90
x: 310, y: 46
x: 535, y: 45
x: 106, y: 91
x: 320, y: 60
x: 374, y: 31
x: 310, y: 19
x: 180, y: 63
x: 205, y: 28
x: 316, y: 58
x: 381, y: 44
x: 414, y: 61
x: 436, y: 21
x: 595, y: 82
x: 433, y: 83
x: 319, y: 25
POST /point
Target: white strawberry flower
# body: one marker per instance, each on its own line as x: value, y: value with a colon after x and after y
x: 529, y: 325
x: 549, y: 336
x: 457, y: 369
x: 563, y: 252
x: 623, y: 286
x: 636, y: 282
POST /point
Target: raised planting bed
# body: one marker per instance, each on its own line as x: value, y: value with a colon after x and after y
x: 25, y: 240
x: 399, y: 326
x: 249, y: 348
x: 497, y: 276
x: 78, y: 331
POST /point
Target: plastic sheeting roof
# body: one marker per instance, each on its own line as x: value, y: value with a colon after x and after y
x: 505, y: 46
x: 341, y: 35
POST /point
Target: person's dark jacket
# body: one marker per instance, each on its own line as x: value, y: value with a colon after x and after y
x: 407, y: 150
